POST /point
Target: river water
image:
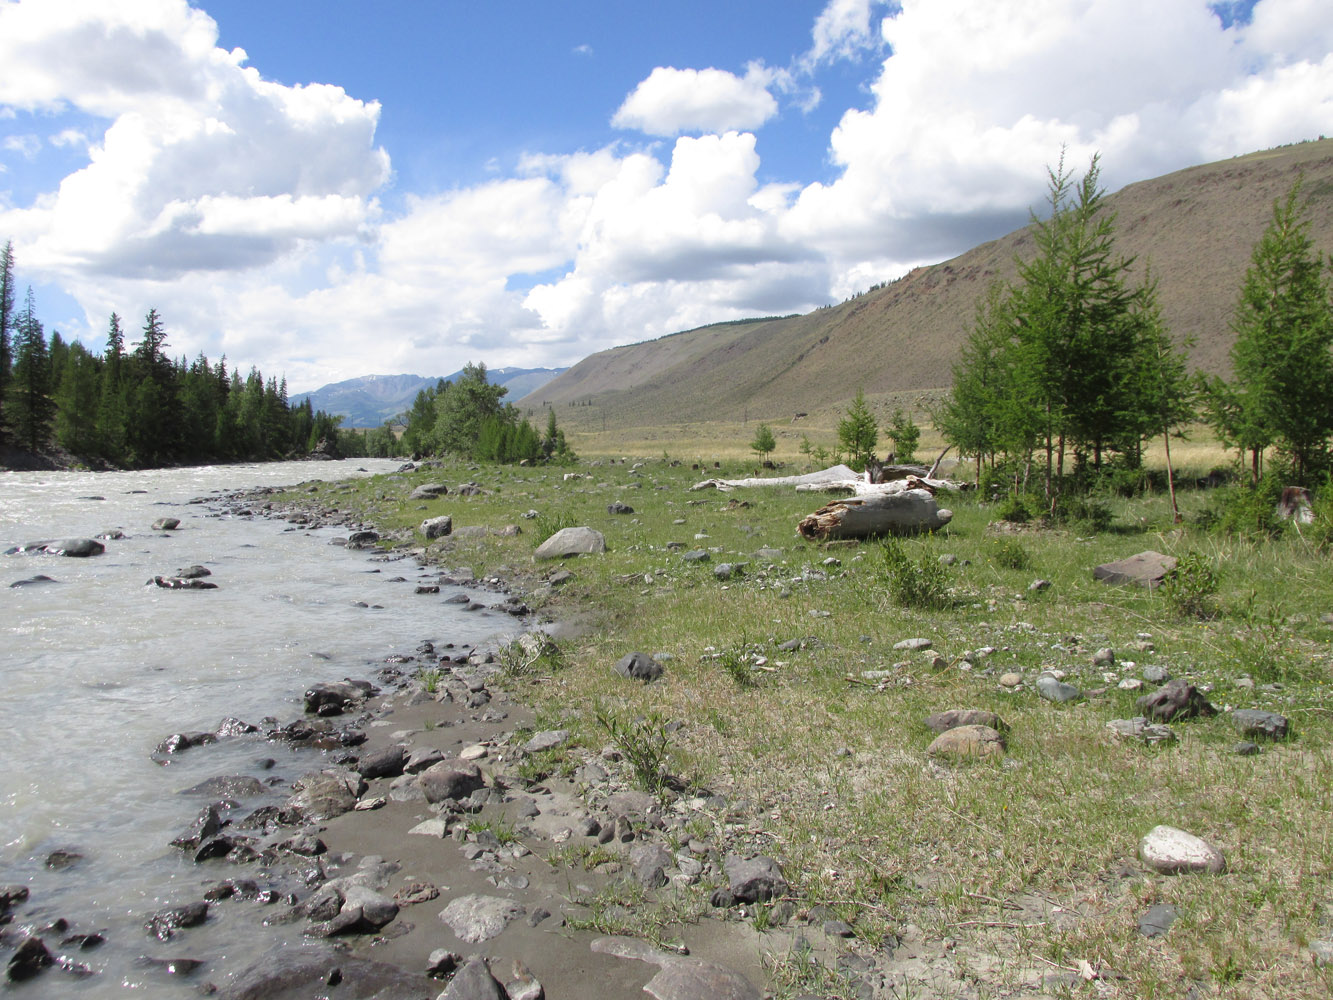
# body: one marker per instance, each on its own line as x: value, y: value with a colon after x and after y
x: 98, y: 667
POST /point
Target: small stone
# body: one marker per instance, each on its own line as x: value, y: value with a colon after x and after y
x: 1154, y: 674
x: 1103, y: 657
x: 1037, y: 586
x: 1157, y: 920
x: 1255, y: 723
x: 1011, y: 679
x: 1139, y: 728
x: 1130, y: 684
x: 913, y: 645
x: 1172, y: 852
x: 1056, y: 690
x: 1245, y: 749
x: 638, y: 667
x: 1322, y: 953
x: 1176, y: 699
x: 549, y: 739
x: 753, y: 880
x: 964, y: 742
x: 476, y: 918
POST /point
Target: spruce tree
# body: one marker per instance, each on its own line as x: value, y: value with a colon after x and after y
x: 1284, y: 331
x: 857, y: 435
x: 29, y: 405
x: 6, y: 319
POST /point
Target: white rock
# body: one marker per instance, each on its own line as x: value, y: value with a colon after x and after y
x: 1171, y: 852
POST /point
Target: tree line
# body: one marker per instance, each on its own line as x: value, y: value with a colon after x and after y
x: 137, y: 407
x: 1070, y: 367
x: 467, y: 418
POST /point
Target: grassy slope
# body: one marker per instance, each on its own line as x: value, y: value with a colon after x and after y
x: 1028, y: 866
x: 1195, y: 228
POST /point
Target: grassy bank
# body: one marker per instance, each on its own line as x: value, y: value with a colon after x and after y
x: 797, y: 708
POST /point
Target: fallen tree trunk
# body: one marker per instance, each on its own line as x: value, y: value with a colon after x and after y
x: 869, y: 515
x: 837, y: 474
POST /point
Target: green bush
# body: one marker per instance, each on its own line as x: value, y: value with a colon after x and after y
x: 1189, y: 589
x: 1245, y: 510
x: 1009, y: 553
x: 1018, y: 508
x: 921, y: 583
x: 644, y: 742
x: 1084, y: 513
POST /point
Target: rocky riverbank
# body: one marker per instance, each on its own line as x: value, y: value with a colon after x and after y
x: 437, y: 844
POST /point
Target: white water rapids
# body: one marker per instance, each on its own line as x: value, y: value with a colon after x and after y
x: 97, y: 668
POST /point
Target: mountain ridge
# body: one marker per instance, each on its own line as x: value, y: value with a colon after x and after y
x: 1194, y: 228
x: 370, y: 400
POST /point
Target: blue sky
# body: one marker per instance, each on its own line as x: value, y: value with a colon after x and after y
x: 411, y: 185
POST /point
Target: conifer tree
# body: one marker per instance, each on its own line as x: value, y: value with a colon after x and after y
x: 28, y: 404
x: 1284, y: 331
x: 857, y: 435
x: 6, y: 319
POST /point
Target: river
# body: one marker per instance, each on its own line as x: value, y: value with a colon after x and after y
x: 98, y: 667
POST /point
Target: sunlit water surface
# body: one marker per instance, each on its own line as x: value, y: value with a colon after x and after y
x: 98, y: 667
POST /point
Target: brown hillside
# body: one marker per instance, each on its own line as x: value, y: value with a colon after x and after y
x: 1195, y: 228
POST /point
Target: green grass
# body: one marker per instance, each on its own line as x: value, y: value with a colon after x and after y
x: 882, y: 833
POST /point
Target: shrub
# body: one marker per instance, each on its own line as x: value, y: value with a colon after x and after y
x: 1248, y: 511
x: 546, y: 525
x: 644, y: 744
x: 1008, y: 553
x: 1083, y: 512
x: 921, y: 583
x: 1017, y: 507
x: 1189, y: 589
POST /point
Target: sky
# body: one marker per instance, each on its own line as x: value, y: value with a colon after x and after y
x: 340, y: 189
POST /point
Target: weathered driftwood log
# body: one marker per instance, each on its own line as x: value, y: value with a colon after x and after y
x: 836, y: 474
x: 907, y: 513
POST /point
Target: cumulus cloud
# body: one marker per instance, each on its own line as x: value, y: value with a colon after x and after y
x: 204, y: 164
x: 672, y: 101
x: 246, y: 211
x: 843, y: 30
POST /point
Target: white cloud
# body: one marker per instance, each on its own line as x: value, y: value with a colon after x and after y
x: 247, y: 211
x: 843, y: 30
x: 672, y: 101
x: 27, y: 146
x: 204, y: 165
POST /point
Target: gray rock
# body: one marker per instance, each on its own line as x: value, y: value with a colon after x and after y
x: 386, y: 762
x: 1157, y: 920
x: 377, y: 910
x: 177, y: 583
x: 1321, y: 952
x: 1055, y: 690
x: 33, y: 581
x: 30, y: 958
x: 193, y: 572
x: 754, y: 880
x: 1255, y: 723
x: 680, y: 978
x: 228, y: 786
x: 1245, y: 749
x: 548, y: 739
x: 1172, y: 852
x: 1155, y: 675
x: 1103, y: 657
x: 76, y: 547
x: 1037, y: 586
x: 287, y: 973
x: 475, y: 918
x: 474, y: 982
x: 324, y: 794
x: 696, y: 556
x: 571, y: 542
x: 166, y: 524
x: 362, y: 539
x: 1146, y: 569
x: 638, y: 667
x: 619, y: 508
x: 1177, y: 699
x: 1139, y: 728
x: 428, y: 491
x: 437, y: 527
x: 450, y: 780
x: 649, y: 863
x: 164, y: 923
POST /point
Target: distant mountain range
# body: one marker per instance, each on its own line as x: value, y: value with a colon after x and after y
x: 370, y: 400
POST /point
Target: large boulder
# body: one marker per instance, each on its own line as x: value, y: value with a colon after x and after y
x: 78, y: 547
x: 325, y: 794
x: 638, y: 667
x: 288, y: 973
x: 1173, y: 852
x: 1177, y: 699
x: 437, y: 527
x: 428, y: 491
x: 450, y: 779
x: 571, y: 542
x: 1146, y: 569
x: 964, y: 742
